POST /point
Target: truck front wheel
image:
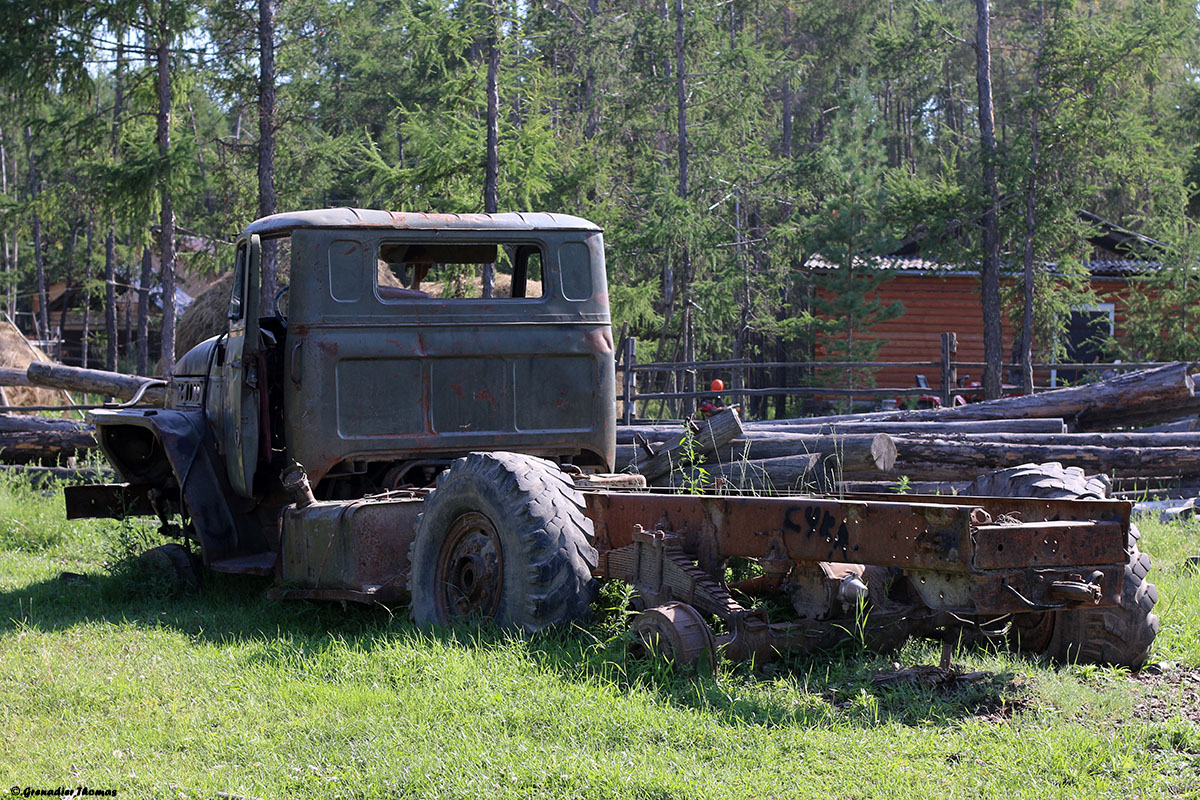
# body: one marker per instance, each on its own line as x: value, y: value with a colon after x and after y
x: 504, y: 538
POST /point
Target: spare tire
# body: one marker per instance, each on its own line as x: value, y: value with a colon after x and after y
x: 1114, y: 635
x: 504, y: 538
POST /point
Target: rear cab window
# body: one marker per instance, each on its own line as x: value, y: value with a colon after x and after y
x: 409, y: 271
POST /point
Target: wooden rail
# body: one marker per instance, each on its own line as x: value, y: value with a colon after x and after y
x: 946, y: 367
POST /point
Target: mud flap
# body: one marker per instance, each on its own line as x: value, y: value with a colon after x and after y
x: 108, y: 501
x: 222, y: 531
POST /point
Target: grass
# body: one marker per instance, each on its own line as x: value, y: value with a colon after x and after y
x: 112, y: 683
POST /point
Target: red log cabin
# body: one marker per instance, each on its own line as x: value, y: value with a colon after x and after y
x: 938, y: 299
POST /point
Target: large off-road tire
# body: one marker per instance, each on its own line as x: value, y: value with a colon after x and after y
x: 1118, y: 636
x: 503, y: 537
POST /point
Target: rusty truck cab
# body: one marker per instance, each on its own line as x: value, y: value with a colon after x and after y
x: 383, y: 366
x: 393, y: 364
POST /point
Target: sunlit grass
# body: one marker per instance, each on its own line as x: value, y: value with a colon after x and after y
x: 106, y: 683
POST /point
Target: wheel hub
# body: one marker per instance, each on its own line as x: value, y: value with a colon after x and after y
x: 677, y: 631
x: 470, y: 569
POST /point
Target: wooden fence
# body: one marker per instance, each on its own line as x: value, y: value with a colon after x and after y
x: 674, y: 374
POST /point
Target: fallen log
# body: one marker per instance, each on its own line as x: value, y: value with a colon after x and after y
x: 806, y: 473
x: 19, y: 423
x: 12, y: 376
x: 24, y: 447
x: 1149, y: 395
x: 1030, y: 425
x: 1103, y: 439
x: 867, y: 452
x: 1184, y: 425
x: 719, y: 430
x: 1170, y: 493
x: 894, y: 487
x: 947, y: 459
x: 757, y: 430
x: 777, y: 475
x: 40, y: 476
x: 96, y: 381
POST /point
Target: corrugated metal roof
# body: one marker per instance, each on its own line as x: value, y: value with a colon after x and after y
x: 1122, y: 267
x: 1109, y: 267
x: 278, y: 224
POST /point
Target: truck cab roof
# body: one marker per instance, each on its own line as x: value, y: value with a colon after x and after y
x: 282, y: 224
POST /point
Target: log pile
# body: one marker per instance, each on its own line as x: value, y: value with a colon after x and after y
x: 1100, y: 427
x: 30, y: 440
x: 939, y: 449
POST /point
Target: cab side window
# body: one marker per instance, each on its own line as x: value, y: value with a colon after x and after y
x: 237, y: 298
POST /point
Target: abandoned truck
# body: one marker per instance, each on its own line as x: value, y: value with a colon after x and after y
x: 384, y: 443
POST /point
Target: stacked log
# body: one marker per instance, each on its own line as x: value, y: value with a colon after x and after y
x: 26, y: 440
x: 699, y: 445
x: 726, y: 459
x: 941, y: 450
x: 939, y: 459
x: 627, y: 434
x: 1150, y: 395
x: 97, y: 381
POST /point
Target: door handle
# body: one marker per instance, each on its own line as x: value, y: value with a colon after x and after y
x: 294, y: 366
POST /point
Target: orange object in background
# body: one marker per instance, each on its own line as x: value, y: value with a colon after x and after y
x: 718, y: 385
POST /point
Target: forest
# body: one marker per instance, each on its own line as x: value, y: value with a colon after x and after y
x: 726, y: 146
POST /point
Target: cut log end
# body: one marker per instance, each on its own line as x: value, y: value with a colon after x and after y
x: 883, y: 452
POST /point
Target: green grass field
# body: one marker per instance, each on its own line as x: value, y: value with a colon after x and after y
x: 110, y: 683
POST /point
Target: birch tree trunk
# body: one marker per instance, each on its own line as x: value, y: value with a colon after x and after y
x: 993, y: 346
x: 42, y: 323
x: 8, y: 265
x: 589, y: 80
x: 266, y: 148
x: 69, y: 284
x: 110, y: 297
x: 110, y: 240
x: 87, y: 290
x: 167, y: 236
x: 143, y: 315
x: 1030, y: 229
x: 681, y: 100
x: 682, y: 142
x: 491, y: 176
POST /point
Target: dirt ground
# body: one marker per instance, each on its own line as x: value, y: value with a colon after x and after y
x: 1169, y: 691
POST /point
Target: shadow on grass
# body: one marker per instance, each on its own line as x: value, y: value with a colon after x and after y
x: 831, y: 687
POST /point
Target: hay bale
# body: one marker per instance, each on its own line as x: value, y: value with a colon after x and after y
x: 206, y: 316
x: 17, y: 353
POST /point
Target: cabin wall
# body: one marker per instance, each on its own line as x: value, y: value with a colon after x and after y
x: 935, y: 304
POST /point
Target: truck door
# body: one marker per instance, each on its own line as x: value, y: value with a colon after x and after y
x: 240, y: 371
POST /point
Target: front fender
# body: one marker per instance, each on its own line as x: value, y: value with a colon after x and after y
x: 173, y: 450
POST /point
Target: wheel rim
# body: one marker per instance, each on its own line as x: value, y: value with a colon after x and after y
x: 470, y: 569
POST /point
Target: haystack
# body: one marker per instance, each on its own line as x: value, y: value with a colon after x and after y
x: 472, y: 286
x: 17, y: 353
x: 206, y: 315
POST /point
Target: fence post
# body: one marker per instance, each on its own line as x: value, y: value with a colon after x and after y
x: 630, y: 379
x: 739, y: 383
x: 949, y: 368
